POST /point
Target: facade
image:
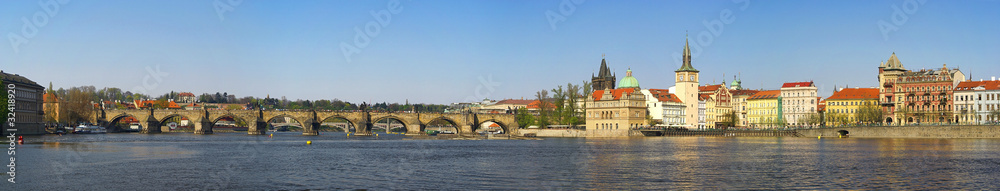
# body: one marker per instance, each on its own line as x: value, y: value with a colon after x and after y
x: 51, y: 105
x: 664, y: 106
x: 504, y: 106
x: 28, y: 113
x: 703, y: 102
x: 913, y: 97
x: 604, y: 79
x: 718, y: 108
x: 740, y: 105
x: 765, y: 110
x: 186, y: 97
x: 848, y: 102
x: 612, y: 113
x: 977, y: 102
x: 686, y: 86
x: 798, y: 101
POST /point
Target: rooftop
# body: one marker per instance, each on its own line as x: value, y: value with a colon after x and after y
x: 977, y: 85
x: 855, y: 93
x: 769, y: 94
x: 797, y: 84
x: 616, y: 93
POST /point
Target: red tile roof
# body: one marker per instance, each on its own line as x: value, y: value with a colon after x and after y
x: 969, y: 85
x: 704, y: 96
x: 515, y: 101
x: 766, y: 94
x: 709, y: 87
x: 797, y: 84
x: 616, y: 93
x: 664, y: 95
x: 187, y: 94
x: 49, y: 98
x: 534, y: 105
x: 855, y: 93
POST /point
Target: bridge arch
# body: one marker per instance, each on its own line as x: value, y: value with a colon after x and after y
x: 351, y: 125
x: 504, y: 127
x: 180, y: 120
x: 297, y: 120
x: 124, y: 118
x: 406, y: 126
x: 237, y: 120
x: 458, y: 128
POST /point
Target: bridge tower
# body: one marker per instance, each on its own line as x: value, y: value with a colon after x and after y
x: 151, y: 125
x: 204, y: 124
x: 312, y: 125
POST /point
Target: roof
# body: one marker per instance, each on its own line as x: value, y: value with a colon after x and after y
x: 185, y: 94
x: 628, y: 81
x: 743, y: 92
x: 534, y: 105
x: 49, y: 98
x: 616, y: 93
x: 18, y: 79
x: 604, y: 71
x: 972, y: 85
x: 515, y: 101
x: 893, y: 63
x: 855, y: 93
x: 686, y: 67
x: 769, y: 94
x: 797, y: 84
x: 709, y: 87
x: 704, y: 97
x: 664, y: 95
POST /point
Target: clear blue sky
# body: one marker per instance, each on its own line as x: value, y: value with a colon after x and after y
x: 436, y: 51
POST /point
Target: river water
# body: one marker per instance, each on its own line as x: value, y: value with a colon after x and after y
x: 236, y: 161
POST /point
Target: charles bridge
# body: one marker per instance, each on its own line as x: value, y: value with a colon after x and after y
x: 310, y: 120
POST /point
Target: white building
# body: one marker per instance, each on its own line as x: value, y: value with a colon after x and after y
x: 977, y: 102
x: 664, y: 107
x: 798, y: 101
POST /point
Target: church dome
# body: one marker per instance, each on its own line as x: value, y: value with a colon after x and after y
x: 628, y: 81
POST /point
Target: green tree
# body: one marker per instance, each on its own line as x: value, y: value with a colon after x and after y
x: 730, y: 119
x: 559, y: 99
x: 78, y: 106
x: 524, y: 119
x: 234, y: 107
x: 543, y: 114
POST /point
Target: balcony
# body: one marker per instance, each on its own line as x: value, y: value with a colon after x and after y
x: 888, y: 84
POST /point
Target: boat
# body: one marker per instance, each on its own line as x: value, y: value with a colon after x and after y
x: 89, y: 129
x: 447, y: 132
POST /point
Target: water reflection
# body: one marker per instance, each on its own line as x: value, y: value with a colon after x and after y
x: 336, y: 161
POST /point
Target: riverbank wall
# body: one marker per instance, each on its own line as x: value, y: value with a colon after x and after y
x: 945, y: 131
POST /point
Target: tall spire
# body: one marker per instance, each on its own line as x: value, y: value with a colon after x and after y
x: 686, y: 67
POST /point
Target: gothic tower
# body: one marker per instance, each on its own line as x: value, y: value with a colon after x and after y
x: 604, y: 79
x: 686, y: 85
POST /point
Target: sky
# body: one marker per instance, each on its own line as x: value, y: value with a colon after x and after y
x: 445, y: 51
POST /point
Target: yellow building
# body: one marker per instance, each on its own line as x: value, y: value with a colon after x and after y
x: 764, y: 110
x: 716, y: 108
x: 844, y: 105
x: 614, y: 112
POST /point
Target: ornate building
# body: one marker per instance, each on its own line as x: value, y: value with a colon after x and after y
x: 911, y: 97
x: 614, y: 112
x: 765, y: 110
x: 686, y: 86
x: 740, y: 104
x: 604, y: 79
x: 718, y: 106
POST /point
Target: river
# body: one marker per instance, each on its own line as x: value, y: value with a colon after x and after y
x: 236, y: 161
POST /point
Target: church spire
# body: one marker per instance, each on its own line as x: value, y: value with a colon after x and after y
x: 686, y: 67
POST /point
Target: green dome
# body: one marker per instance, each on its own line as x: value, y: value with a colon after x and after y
x: 735, y: 83
x: 628, y: 81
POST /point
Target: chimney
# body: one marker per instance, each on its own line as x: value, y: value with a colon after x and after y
x: 994, y: 78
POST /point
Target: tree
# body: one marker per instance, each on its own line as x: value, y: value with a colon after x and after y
x: 869, y: 113
x: 524, y: 119
x: 559, y: 99
x: 78, y: 105
x: 543, y: 115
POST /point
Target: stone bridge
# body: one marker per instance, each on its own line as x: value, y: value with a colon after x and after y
x: 310, y: 120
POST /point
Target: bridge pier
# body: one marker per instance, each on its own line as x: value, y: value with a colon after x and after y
x: 203, y: 126
x: 258, y: 128
x: 150, y: 126
x: 311, y: 128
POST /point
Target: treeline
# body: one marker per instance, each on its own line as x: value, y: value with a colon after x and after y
x: 563, y: 107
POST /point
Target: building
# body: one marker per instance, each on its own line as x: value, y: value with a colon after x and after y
x: 614, y: 112
x: 718, y: 106
x: 977, y: 102
x: 740, y: 104
x: 27, y: 100
x: 845, y: 105
x: 913, y: 97
x: 664, y: 107
x: 186, y: 97
x: 765, y: 110
x: 604, y: 79
x: 798, y: 101
x: 51, y: 105
x: 505, y: 106
x: 686, y: 86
